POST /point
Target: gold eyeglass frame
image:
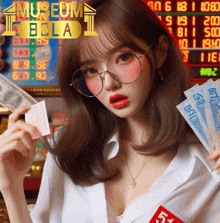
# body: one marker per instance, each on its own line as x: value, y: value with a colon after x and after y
x: 111, y: 74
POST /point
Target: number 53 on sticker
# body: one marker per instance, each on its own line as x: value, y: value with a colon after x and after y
x: 164, y: 216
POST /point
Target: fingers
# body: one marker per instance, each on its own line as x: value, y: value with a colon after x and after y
x: 215, y: 155
x: 15, y: 125
x: 15, y: 115
x: 20, y: 135
x: 14, y: 145
x: 216, y: 166
x: 26, y: 147
x: 21, y: 125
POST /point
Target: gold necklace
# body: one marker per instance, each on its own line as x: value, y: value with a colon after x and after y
x: 133, y: 184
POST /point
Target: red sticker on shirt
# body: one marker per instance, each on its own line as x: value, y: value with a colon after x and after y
x: 164, y: 216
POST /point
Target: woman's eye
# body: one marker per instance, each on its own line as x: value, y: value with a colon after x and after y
x: 125, y: 57
x: 89, y: 72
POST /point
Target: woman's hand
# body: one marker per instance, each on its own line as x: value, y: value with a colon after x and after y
x: 215, y: 155
x: 17, y: 150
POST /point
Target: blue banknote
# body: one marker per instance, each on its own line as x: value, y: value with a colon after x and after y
x: 212, y: 104
x: 191, y: 116
x: 197, y: 97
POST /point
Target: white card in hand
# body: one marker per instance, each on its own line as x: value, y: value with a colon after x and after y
x: 37, y: 116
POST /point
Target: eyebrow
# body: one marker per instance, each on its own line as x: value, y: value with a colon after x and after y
x: 109, y: 53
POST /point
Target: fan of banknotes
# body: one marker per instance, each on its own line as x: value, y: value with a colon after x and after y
x: 201, y: 110
x: 12, y: 96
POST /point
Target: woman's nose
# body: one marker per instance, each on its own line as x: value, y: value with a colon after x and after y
x: 109, y: 83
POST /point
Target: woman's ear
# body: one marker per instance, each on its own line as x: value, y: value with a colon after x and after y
x: 161, y: 51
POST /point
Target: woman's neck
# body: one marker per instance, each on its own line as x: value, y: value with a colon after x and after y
x: 134, y: 129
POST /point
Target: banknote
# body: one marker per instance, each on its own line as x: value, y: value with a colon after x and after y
x: 196, y: 97
x: 12, y: 96
x: 212, y: 105
x: 213, y: 92
x: 191, y: 117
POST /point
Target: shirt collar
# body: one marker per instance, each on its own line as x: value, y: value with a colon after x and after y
x: 112, y: 147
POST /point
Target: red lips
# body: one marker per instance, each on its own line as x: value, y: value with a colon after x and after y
x: 118, y: 101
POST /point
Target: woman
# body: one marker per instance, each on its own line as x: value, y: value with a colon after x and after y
x: 126, y: 154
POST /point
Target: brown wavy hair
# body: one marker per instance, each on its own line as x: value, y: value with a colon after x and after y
x: 79, y: 149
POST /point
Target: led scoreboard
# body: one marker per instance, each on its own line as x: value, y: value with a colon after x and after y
x: 25, y: 57
x: 196, y: 25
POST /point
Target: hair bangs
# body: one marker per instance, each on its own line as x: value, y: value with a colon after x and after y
x: 108, y: 38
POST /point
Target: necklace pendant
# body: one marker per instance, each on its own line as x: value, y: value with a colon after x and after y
x: 133, y: 184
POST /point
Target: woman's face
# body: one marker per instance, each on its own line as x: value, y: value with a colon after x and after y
x: 124, y: 100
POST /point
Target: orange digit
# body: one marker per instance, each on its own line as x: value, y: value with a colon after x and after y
x: 45, y: 41
x: 168, y: 7
x: 45, y: 65
x: 38, y: 65
x: 26, y: 64
x: 15, y: 64
x: 181, y: 6
x: 15, y: 75
x: 38, y: 75
x: 180, y: 32
x: 26, y: 75
x: 169, y: 20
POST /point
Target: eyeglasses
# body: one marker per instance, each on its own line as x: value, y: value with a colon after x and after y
x: 124, y: 67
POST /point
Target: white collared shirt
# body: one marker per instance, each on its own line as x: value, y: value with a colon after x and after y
x: 187, y: 190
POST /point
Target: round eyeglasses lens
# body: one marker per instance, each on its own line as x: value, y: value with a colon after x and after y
x: 124, y: 67
x: 87, y: 81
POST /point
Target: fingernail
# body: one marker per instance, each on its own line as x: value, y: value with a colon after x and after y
x: 26, y: 109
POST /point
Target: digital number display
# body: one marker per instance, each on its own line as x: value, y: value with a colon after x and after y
x: 41, y: 75
x: 41, y: 42
x: 17, y: 40
x: 211, y: 72
x: 20, y: 75
x: 196, y: 24
x: 42, y: 65
x: 25, y: 59
x: 21, y: 64
x: 210, y: 57
x: 20, y: 52
x: 28, y: 69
